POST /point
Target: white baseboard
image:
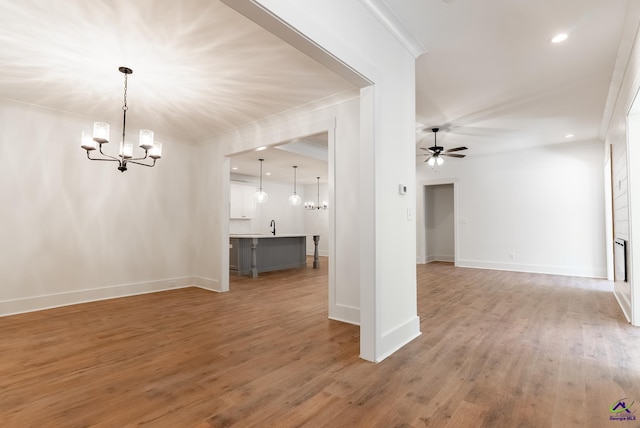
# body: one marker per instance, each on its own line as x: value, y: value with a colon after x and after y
x: 206, y: 283
x: 552, y: 270
x: 344, y: 313
x: 395, y: 339
x: 440, y: 258
x: 622, y: 297
x: 49, y: 301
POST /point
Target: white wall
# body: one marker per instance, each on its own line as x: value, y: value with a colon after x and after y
x: 544, y: 206
x: 211, y: 218
x: 76, y: 230
x: 623, y: 138
x: 348, y: 32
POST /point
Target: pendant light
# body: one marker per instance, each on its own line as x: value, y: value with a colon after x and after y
x: 260, y: 196
x: 294, y: 199
x: 312, y: 206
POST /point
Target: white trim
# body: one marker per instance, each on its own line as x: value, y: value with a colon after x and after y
x: 207, y: 284
x: 385, y: 15
x: 440, y: 258
x: 344, y: 313
x: 395, y: 339
x: 55, y: 300
x: 623, y: 301
x: 552, y: 270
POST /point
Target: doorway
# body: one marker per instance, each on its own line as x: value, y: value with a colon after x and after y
x: 439, y: 209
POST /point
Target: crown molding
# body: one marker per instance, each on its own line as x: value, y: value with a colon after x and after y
x: 385, y: 15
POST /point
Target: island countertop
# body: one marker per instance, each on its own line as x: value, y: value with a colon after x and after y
x: 281, y: 235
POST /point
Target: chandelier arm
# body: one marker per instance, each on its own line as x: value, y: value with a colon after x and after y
x: 110, y: 159
x: 107, y: 155
x: 146, y: 155
x: 143, y: 164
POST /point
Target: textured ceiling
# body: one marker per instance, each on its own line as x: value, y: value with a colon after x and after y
x: 491, y: 78
x: 199, y: 67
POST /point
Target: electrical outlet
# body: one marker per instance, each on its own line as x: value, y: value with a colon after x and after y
x: 512, y: 256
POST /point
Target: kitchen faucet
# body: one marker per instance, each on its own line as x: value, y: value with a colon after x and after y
x: 272, y: 227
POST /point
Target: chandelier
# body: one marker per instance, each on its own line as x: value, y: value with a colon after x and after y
x: 100, y: 136
x: 312, y: 206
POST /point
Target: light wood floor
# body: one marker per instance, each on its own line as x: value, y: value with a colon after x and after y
x: 498, y: 349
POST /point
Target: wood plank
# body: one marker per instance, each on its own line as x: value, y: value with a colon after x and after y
x: 498, y: 349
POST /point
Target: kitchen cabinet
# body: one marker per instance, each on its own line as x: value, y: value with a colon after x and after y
x: 241, y: 203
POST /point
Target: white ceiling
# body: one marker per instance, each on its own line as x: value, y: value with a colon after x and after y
x: 490, y: 77
x: 309, y: 154
x: 199, y: 68
x: 494, y: 78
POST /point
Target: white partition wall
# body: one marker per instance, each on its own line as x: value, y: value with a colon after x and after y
x: 380, y: 64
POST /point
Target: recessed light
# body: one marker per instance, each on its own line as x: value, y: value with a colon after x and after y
x: 568, y: 136
x: 267, y: 173
x: 559, y: 38
x: 261, y: 148
x: 235, y: 168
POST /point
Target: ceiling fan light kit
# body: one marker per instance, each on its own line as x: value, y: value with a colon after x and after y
x: 100, y: 136
x: 437, y: 152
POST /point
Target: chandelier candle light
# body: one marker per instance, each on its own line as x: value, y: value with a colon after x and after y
x: 312, y: 206
x: 101, y: 136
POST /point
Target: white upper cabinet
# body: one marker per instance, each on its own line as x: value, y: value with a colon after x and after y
x: 241, y: 203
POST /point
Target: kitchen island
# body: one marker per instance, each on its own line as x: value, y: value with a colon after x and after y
x: 253, y: 254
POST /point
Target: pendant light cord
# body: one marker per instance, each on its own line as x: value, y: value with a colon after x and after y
x: 295, y: 176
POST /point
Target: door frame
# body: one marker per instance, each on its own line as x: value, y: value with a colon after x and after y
x: 421, y: 229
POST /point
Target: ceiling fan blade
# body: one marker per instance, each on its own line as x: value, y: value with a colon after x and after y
x: 456, y: 149
x: 428, y: 149
x: 427, y: 160
x: 452, y: 155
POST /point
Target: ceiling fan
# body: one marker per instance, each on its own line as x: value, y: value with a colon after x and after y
x: 436, y: 152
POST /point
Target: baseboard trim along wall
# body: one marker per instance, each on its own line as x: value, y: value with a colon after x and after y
x: 395, y: 339
x: 49, y: 301
x: 622, y: 296
x: 206, y: 283
x: 552, y: 270
x: 344, y: 313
